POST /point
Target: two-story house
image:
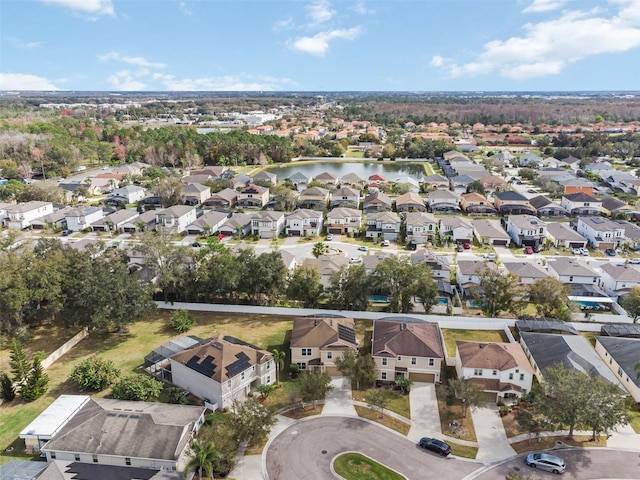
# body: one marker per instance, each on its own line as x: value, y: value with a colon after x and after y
x: 527, y: 272
x: 314, y: 198
x: 421, y: 227
x: 601, y: 232
x: 384, y: 225
x: 582, y: 204
x: 526, y: 230
x: 353, y: 179
x: 175, y: 219
x: 407, y: 349
x: 223, y: 199
x: 317, y: 342
x: 444, y: 201
x: 377, y: 202
x: 253, y: 196
x: 81, y: 218
x: 327, y: 178
x: 501, y: 370
x: 222, y: 370
x: 127, y: 194
x: 512, y: 203
x: 615, y: 278
x: 468, y: 273
x: 267, y: 224
x: 410, y: 202
x: 456, y: 229
x: 571, y: 271
x: 345, y: 197
x: 195, y: 194
x: 20, y: 216
x: 304, y: 223
x: 344, y: 220
x: 474, y: 203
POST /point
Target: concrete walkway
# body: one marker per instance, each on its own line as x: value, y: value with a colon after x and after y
x: 339, y: 400
x: 493, y: 444
x: 425, y: 417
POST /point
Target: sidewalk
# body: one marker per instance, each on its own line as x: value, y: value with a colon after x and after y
x: 339, y: 401
x: 493, y: 444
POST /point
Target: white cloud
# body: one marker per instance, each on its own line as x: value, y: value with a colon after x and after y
x: 319, y: 12
x: 139, y: 61
x: 284, y: 24
x: 361, y: 9
x: 125, y: 80
x: 547, y: 47
x: 224, y: 83
x: 539, y: 6
x: 24, y: 81
x: 94, y: 7
x: 18, y: 43
x: 319, y: 43
x: 185, y: 8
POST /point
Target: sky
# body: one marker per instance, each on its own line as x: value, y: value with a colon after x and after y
x: 320, y: 45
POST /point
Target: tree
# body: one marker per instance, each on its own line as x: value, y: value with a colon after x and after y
x: 496, y: 293
x: 631, y: 303
x: 404, y: 383
x: 304, y: 285
x: 137, y: 387
x: 182, y: 320
x: 279, y: 357
x: 94, y: 374
x: 252, y: 420
x: 464, y: 389
x: 360, y: 369
x: 314, y: 386
x: 319, y: 248
x: 349, y: 288
x: 379, y: 398
x: 18, y: 363
x: 265, y: 390
x: 7, y: 390
x: 529, y: 420
x: 169, y: 191
x: 549, y: 295
x: 202, y: 456
x: 606, y: 408
x: 36, y: 383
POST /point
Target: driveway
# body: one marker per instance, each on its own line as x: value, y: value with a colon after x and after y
x: 339, y: 401
x: 305, y: 450
x: 492, y: 439
x: 425, y: 417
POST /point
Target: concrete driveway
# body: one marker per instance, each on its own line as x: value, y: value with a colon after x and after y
x: 492, y: 439
x: 305, y: 451
x: 425, y: 416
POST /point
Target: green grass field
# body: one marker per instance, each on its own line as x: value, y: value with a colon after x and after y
x: 451, y: 336
x: 354, y: 466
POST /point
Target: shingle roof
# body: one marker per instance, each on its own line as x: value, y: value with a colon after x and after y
x: 581, y: 197
x: 511, y: 196
x: 570, y: 266
x: 492, y: 355
x: 626, y: 352
x: 334, y: 333
x: 412, y: 339
x: 561, y: 231
x: 526, y: 269
x: 628, y: 273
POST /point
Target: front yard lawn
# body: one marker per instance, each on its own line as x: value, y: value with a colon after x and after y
x: 387, y: 421
x: 550, y: 442
x: 450, y: 336
x: 354, y: 466
x: 398, y: 404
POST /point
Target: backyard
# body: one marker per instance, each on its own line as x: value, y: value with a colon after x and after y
x: 450, y: 337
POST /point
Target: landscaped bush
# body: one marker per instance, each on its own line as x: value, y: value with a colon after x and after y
x: 137, y: 387
x: 176, y: 396
x: 182, y: 320
x: 94, y: 374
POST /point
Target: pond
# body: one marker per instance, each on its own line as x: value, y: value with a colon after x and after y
x: 390, y: 170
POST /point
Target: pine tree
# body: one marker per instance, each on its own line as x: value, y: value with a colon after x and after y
x: 7, y: 390
x: 18, y: 363
x: 37, y: 382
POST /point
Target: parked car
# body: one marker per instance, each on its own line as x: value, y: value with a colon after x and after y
x: 329, y: 237
x: 435, y: 445
x: 363, y: 248
x: 490, y: 256
x: 386, y: 243
x: 584, y: 251
x: 634, y: 261
x: 610, y: 252
x: 196, y: 245
x: 459, y: 247
x: 546, y: 461
x: 536, y: 249
x: 353, y: 260
x: 466, y: 245
x: 528, y: 250
x: 66, y: 233
x: 576, y: 251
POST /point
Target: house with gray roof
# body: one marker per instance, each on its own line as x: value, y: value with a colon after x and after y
x: 208, y: 223
x: 175, y: 219
x: 615, y: 278
x: 444, y: 201
x: 547, y: 208
x: 582, y: 204
x: 421, y: 227
x: 237, y: 224
x: 127, y: 194
x: 457, y: 229
x: 304, y: 223
x: 435, y: 182
x: 528, y: 272
x: 512, y: 203
x: 546, y: 350
x: 267, y: 224
x: 526, y: 230
x: 384, y: 225
x: 601, y: 232
x: 343, y: 220
x: 490, y: 232
x: 345, y: 197
x: 195, y: 193
x: 410, y: 202
x: 377, y: 202
x: 622, y: 355
x: 81, y: 218
x: 563, y: 236
x: 55, y: 220
x: 572, y: 270
x: 530, y: 160
x: 115, y: 220
x: 144, y: 221
x: 266, y: 176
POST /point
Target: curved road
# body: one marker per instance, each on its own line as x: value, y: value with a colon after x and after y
x: 305, y: 450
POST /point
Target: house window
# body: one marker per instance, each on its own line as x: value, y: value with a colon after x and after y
x: 302, y: 365
x: 384, y: 362
x: 571, y: 278
x: 495, y: 373
x: 242, y: 376
x: 413, y: 360
x: 477, y: 372
x: 594, y: 279
x: 127, y: 461
x: 77, y: 457
x: 399, y: 358
x: 329, y: 355
x: 268, y: 379
x: 521, y: 376
x: 229, y: 384
x: 511, y: 376
x: 306, y: 352
x: 95, y: 458
x: 383, y: 375
x: 53, y: 455
x: 432, y: 362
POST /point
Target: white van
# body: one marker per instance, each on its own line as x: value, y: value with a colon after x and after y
x: 81, y: 168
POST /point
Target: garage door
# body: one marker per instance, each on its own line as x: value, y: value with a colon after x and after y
x: 336, y: 231
x: 422, y: 377
x: 502, y: 243
x: 576, y: 245
x: 490, y: 397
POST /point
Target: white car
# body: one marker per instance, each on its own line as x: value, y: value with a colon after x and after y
x: 386, y: 243
x: 545, y: 461
x: 634, y: 261
x: 584, y: 251
x: 576, y: 251
x: 354, y: 260
x: 329, y: 237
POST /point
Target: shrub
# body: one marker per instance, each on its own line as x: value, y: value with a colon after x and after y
x: 181, y: 321
x: 7, y: 390
x: 137, y: 387
x: 294, y: 370
x: 94, y: 374
x: 176, y: 396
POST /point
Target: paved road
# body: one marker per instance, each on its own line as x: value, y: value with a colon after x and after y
x: 594, y: 463
x: 305, y: 450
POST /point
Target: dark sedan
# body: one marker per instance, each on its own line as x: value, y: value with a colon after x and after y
x: 435, y: 445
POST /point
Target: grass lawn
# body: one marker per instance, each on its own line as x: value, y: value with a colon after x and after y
x: 549, y: 442
x: 128, y: 351
x: 462, y: 450
x: 387, y: 421
x: 450, y: 336
x: 354, y: 466
x: 635, y: 420
x: 398, y: 404
x: 307, y: 411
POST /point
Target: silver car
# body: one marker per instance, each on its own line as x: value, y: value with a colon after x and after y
x: 546, y: 461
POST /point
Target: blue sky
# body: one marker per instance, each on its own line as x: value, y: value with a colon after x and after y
x: 320, y: 45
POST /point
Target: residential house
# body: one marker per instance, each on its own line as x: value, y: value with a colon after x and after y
x: 223, y: 199
x: 602, y: 233
x: 195, y: 194
x: 582, y: 204
x: 377, y: 202
x: 468, y: 273
x: 421, y: 227
x: 81, y: 218
x: 612, y: 207
x: 21, y: 215
x: 304, y: 223
x: 343, y: 220
x: 615, y: 278
x: 314, y: 198
x: 299, y: 178
x: 577, y: 185
x: 493, y: 182
x: 222, y: 370
x: 4, y: 215
x: 410, y: 202
x: 571, y: 270
x: 512, y: 203
x: 631, y: 233
x: 407, y: 349
x: 456, y: 229
x: 384, y: 225
x: 475, y: 203
x: 526, y: 230
x: 327, y: 265
x: 377, y: 179
x: 144, y: 221
x: 436, y: 182
x: 621, y: 355
x: 460, y: 183
x: 345, y: 197
x: 353, y: 179
x: 267, y: 177
x: 501, y: 370
x: 267, y: 224
x: 108, y: 432
x: 527, y: 272
x: 317, y: 342
x: 175, y: 219
x: 530, y: 160
x: 127, y: 195
x: 214, y: 172
x: 444, y: 201
x: 207, y: 224
x: 327, y: 178
x: 114, y: 221
x: 410, y: 182
x: 237, y: 224
x: 56, y: 220
x: 253, y: 196
x: 200, y: 178
x: 547, y: 208
x: 241, y: 180
x: 439, y: 264
x: 563, y: 236
x: 546, y: 350
x: 490, y: 232
x: 572, y: 162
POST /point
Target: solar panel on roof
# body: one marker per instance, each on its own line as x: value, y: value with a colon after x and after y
x: 242, y: 363
x: 346, y: 334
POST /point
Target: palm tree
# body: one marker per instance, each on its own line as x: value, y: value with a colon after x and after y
x: 204, y: 454
x: 279, y: 357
